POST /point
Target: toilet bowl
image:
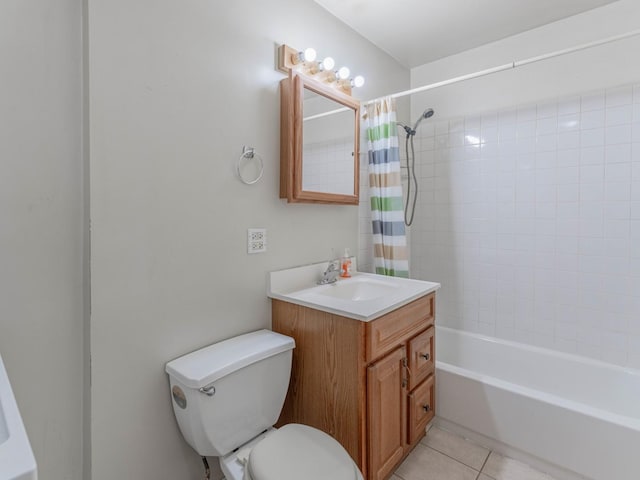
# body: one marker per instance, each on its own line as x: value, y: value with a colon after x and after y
x: 293, y: 452
x: 226, y: 398
x: 296, y: 452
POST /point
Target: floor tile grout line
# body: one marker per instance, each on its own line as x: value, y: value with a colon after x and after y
x: 484, y: 465
x: 455, y: 459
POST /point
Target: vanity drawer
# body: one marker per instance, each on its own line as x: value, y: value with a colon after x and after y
x: 421, y: 355
x: 421, y: 409
x: 387, y: 332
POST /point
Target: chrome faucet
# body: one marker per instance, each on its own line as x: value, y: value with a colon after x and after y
x: 330, y: 275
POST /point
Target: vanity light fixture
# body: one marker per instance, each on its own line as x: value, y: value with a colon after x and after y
x: 304, y: 62
x: 309, y: 55
x: 327, y: 64
x: 343, y: 73
x: 314, y: 68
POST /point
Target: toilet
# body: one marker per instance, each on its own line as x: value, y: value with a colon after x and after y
x: 226, y: 398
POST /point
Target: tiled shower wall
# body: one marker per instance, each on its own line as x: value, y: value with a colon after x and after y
x: 530, y: 220
x: 329, y: 166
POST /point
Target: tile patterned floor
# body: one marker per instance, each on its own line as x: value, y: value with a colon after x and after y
x: 444, y: 456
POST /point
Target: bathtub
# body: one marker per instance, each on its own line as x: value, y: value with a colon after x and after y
x: 569, y: 415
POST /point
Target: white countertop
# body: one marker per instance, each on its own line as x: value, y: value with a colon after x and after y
x: 16, y: 457
x: 382, y: 294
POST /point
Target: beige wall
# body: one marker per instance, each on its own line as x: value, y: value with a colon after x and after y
x: 41, y: 232
x: 599, y: 67
x: 176, y: 90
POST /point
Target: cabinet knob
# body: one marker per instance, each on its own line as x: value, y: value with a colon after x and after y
x: 425, y: 356
x: 426, y: 408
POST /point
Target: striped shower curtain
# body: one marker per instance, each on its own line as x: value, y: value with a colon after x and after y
x: 389, y: 240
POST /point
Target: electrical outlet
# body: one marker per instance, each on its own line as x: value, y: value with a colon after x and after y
x: 256, y: 240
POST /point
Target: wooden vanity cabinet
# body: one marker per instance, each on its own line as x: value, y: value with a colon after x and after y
x: 368, y: 384
x: 387, y: 413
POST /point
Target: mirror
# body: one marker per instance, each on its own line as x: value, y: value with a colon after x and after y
x: 319, y: 160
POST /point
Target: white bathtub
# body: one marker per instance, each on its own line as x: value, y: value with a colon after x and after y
x: 572, y: 413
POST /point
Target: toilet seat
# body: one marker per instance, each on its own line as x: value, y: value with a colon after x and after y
x: 296, y: 452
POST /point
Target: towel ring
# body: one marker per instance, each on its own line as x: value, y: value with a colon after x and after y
x: 249, y: 153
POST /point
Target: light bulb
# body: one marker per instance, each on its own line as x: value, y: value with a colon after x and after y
x: 343, y: 73
x: 358, y: 81
x: 309, y: 55
x: 328, y: 63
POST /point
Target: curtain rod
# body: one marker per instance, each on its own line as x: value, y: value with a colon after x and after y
x: 488, y: 71
x: 511, y: 65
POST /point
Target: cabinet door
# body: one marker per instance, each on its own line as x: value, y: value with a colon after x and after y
x: 386, y: 388
x: 421, y: 357
x: 421, y: 409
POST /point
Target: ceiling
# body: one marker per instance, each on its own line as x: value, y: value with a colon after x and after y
x: 416, y: 32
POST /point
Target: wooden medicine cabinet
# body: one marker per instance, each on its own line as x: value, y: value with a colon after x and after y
x: 319, y: 154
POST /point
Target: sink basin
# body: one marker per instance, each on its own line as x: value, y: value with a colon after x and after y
x: 359, y: 289
x: 16, y: 457
x: 363, y: 297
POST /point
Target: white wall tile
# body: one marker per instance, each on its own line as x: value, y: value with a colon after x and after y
x: 592, y: 192
x: 591, y: 173
x: 618, y: 153
x: 569, y: 105
x: 547, y: 109
x: 614, y: 348
x: 592, y: 138
x: 618, y: 134
x: 569, y: 158
x: 535, y: 231
x: 523, y: 145
x: 592, y: 101
x: 619, y: 115
x: 568, y: 175
x: 547, y: 125
x: 617, y: 192
x: 526, y: 129
x: 568, y: 140
x: 619, y: 96
x: 489, y: 134
x: 567, y: 192
x: 592, y: 119
x: 546, y: 143
x: 592, y: 156
x: 616, y: 211
x: 569, y: 122
x: 507, y: 131
x: 617, y: 172
x: 526, y: 113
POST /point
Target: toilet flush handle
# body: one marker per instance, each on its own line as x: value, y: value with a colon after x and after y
x: 209, y: 391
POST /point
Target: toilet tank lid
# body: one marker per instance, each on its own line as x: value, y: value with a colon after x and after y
x: 205, y: 366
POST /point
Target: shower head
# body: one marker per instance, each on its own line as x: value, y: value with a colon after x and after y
x: 412, y: 131
x: 426, y: 114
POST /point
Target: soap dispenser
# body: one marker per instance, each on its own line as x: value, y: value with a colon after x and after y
x: 345, y: 264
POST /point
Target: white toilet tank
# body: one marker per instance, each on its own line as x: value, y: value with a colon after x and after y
x: 226, y: 394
